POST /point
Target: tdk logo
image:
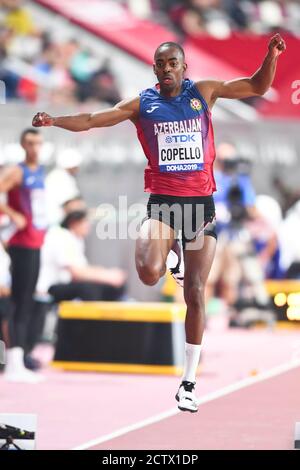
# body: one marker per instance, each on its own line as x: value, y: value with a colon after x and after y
x: 179, y: 139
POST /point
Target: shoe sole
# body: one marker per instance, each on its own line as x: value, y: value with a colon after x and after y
x: 181, y: 408
x: 187, y: 409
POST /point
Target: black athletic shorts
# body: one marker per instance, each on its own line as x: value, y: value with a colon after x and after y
x: 191, y: 215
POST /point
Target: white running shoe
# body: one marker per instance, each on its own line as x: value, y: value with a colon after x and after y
x: 15, y: 371
x: 24, y: 376
x: 186, y: 397
x: 175, y: 263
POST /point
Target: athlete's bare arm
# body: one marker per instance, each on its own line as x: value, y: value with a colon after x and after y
x: 256, y: 85
x: 126, y: 109
x: 10, y: 178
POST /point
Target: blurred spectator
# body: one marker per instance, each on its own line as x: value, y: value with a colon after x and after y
x: 51, y: 67
x: 237, y: 13
x: 74, y: 205
x: 42, y: 299
x: 226, y: 273
x: 237, y: 276
x: 220, y: 17
x: 18, y: 18
x: 25, y: 206
x: 288, y: 196
x: 235, y: 197
x: 234, y: 201
x: 10, y: 79
x: 92, y: 76
x: 103, y: 86
x: 36, y: 66
x: 142, y: 9
x: 194, y: 17
x: 265, y: 242
x: 289, y: 243
x: 66, y: 273
x: 264, y: 230
x: 61, y: 185
x: 246, y: 242
x: 272, y: 15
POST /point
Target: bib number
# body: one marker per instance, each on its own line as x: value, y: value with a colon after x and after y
x: 180, y: 152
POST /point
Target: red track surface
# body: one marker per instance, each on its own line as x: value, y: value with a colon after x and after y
x: 76, y: 408
x: 259, y: 417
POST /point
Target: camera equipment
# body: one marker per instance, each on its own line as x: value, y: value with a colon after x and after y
x: 9, y: 433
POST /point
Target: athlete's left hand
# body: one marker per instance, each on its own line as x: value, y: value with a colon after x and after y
x: 276, y: 45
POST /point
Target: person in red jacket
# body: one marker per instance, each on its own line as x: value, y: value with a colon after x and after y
x: 24, y: 186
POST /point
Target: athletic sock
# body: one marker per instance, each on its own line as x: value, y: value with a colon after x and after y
x: 192, y: 357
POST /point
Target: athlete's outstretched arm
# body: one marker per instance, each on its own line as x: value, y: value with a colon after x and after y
x: 256, y: 85
x: 126, y: 109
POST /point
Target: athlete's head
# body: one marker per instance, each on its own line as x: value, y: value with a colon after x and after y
x: 31, y: 141
x: 169, y: 66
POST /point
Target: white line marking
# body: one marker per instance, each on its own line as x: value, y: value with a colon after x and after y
x: 211, y: 396
x: 126, y: 429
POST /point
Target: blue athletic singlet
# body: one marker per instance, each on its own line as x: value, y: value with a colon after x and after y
x: 177, y: 138
x: 29, y: 200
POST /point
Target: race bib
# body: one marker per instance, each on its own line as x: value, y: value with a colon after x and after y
x: 38, y: 208
x: 180, y: 152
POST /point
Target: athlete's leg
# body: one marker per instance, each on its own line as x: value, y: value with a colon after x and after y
x: 25, y: 268
x: 152, y: 248
x: 197, y: 267
x: 25, y: 264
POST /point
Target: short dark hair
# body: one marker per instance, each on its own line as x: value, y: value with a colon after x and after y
x: 29, y: 130
x: 75, y: 216
x: 170, y: 44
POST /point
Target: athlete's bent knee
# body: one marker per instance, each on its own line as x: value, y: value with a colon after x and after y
x: 149, y: 274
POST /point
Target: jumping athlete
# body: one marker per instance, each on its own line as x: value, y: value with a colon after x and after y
x: 173, y: 122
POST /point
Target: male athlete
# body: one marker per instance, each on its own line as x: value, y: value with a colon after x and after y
x: 173, y: 122
x: 24, y: 186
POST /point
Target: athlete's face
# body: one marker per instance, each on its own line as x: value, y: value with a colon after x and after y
x: 169, y: 67
x: 32, y: 144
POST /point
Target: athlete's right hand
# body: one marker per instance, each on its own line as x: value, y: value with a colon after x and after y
x: 42, y: 120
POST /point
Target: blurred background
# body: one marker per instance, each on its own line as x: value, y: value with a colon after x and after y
x: 71, y: 56
x: 75, y: 56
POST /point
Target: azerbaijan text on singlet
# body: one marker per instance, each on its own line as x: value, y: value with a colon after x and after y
x: 177, y: 138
